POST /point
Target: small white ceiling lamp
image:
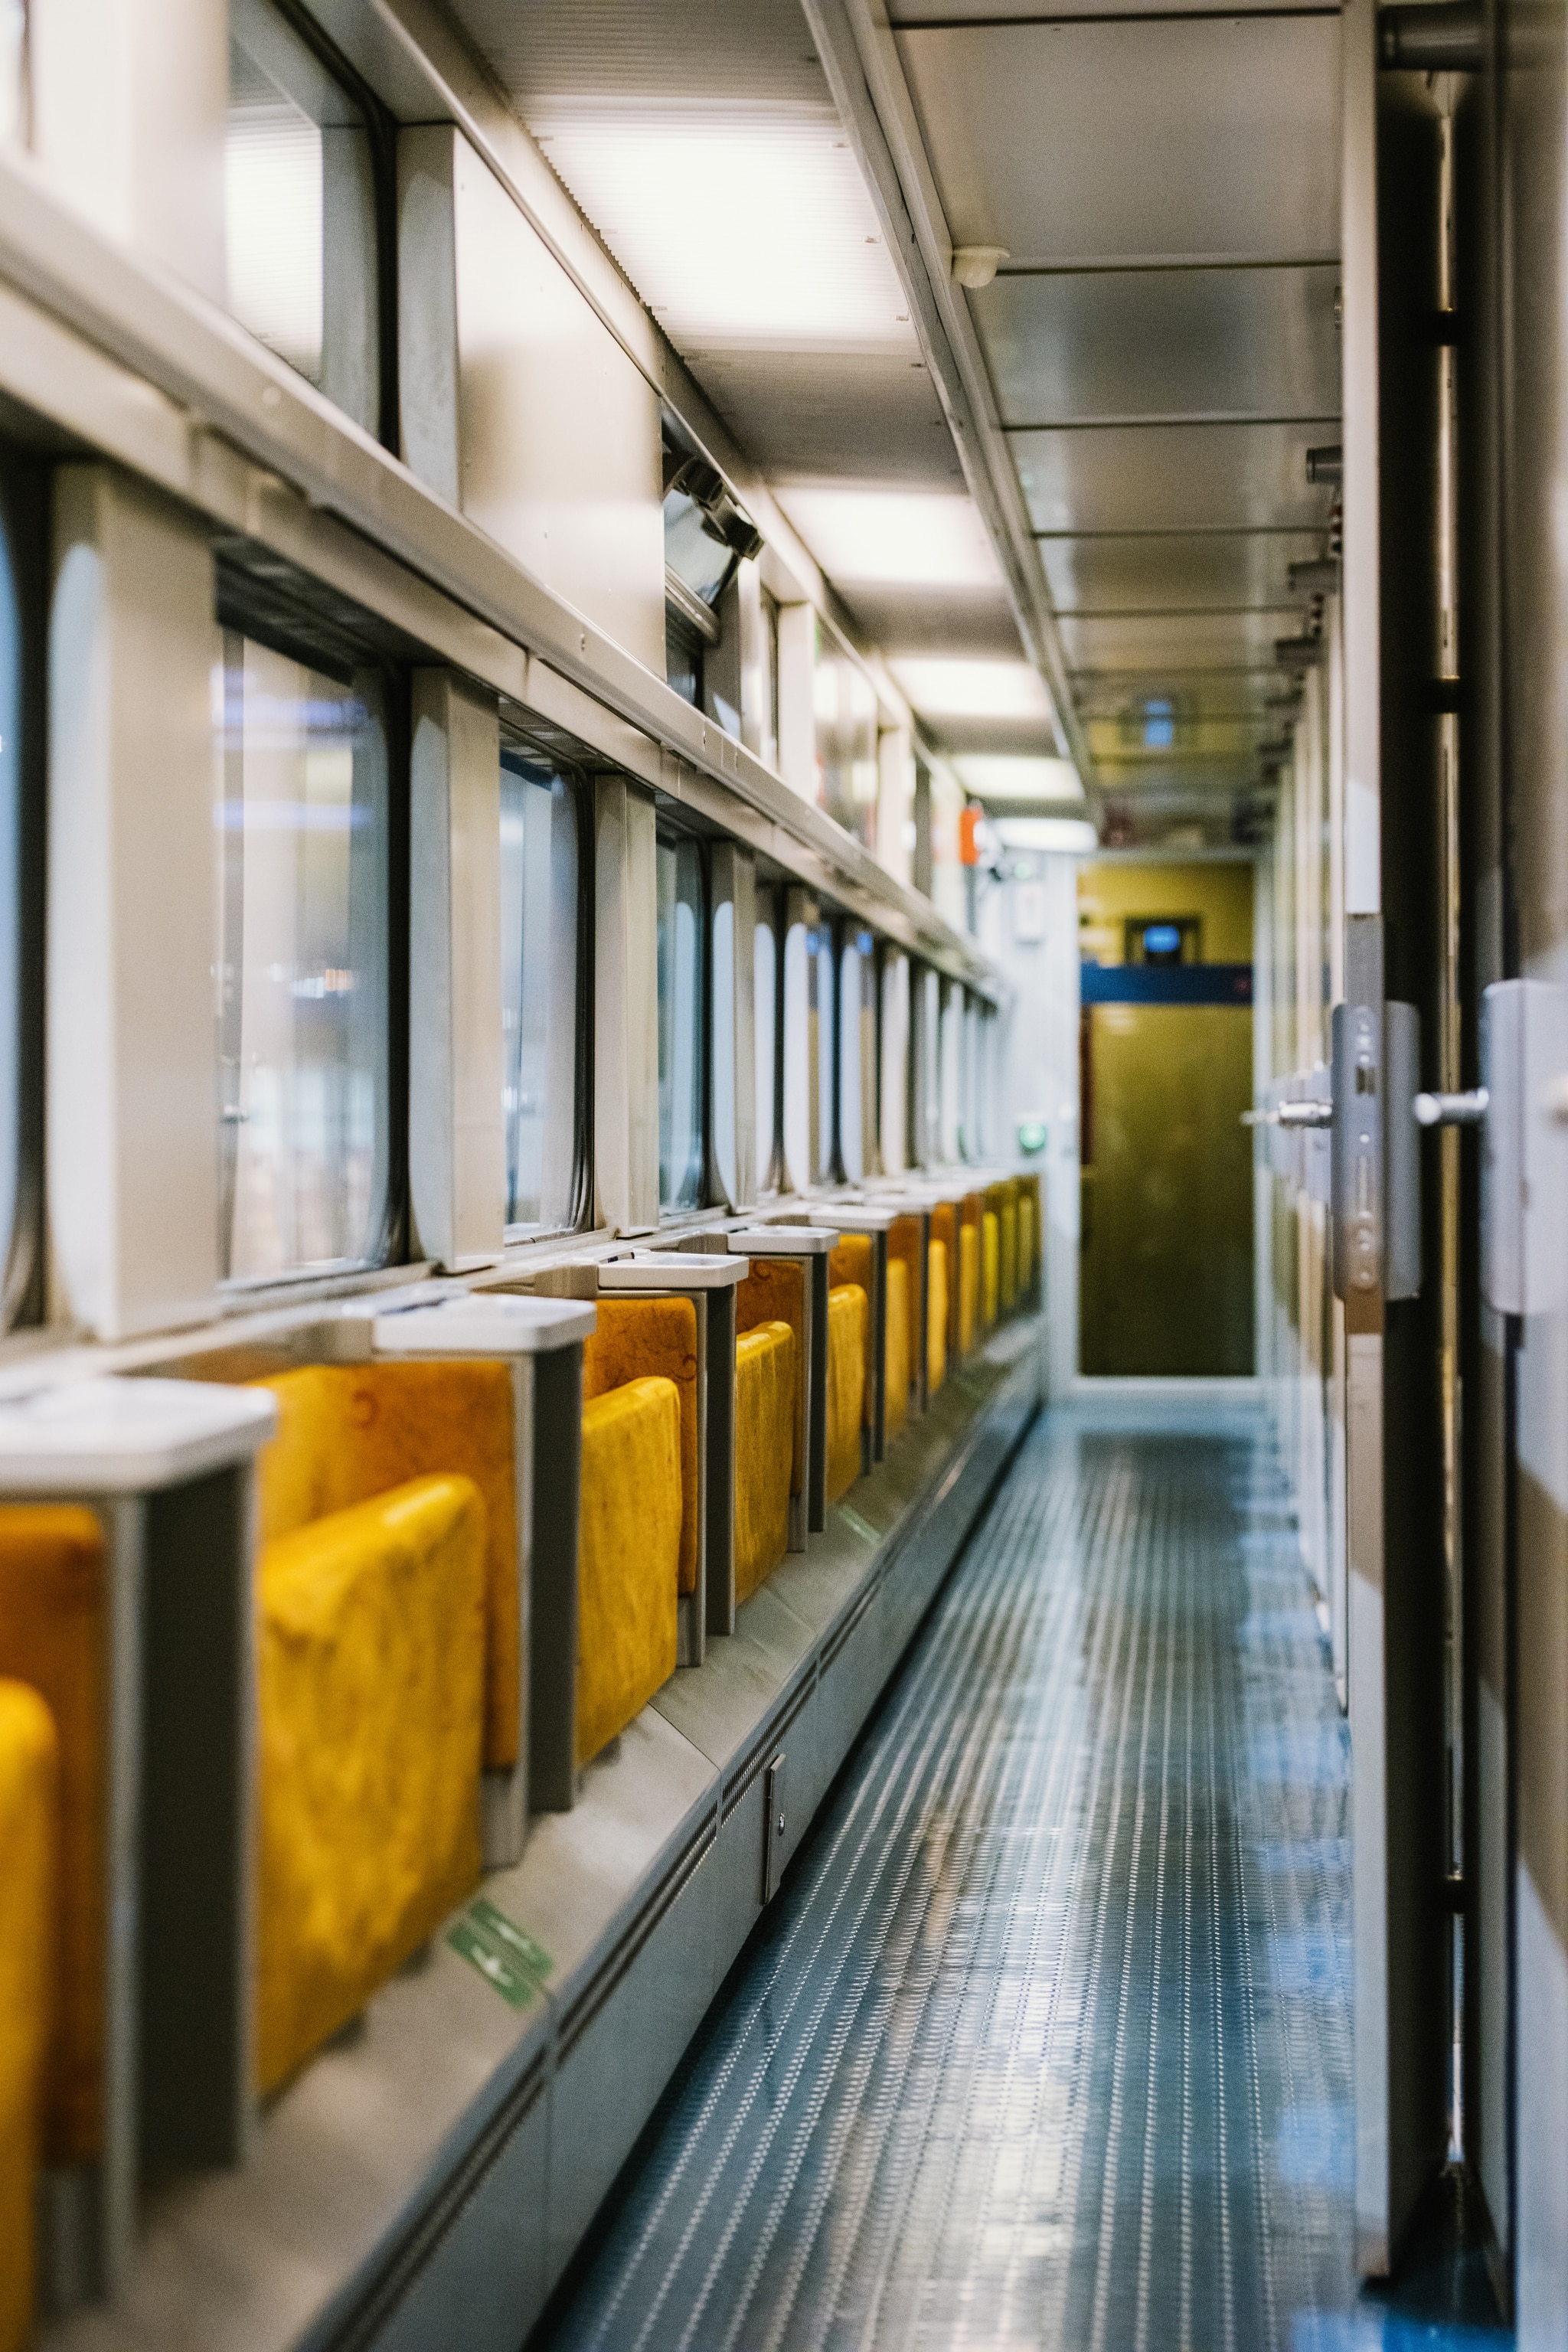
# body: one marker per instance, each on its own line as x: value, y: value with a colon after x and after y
x: 975, y: 265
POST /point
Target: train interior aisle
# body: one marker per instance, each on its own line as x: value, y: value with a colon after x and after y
x: 783, y: 1165
x: 1047, y: 2039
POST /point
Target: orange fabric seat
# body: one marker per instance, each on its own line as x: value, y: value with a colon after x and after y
x: 896, y: 1411
x: 53, y: 1596
x: 347, y: 1432
x: 653, y: 1338
x: 936, y: 1318
x: 848, y: 1314
x: 852, y: 1259
x: 370, y: 1667
x: 765, y: 1429
x: 629, y: 1555
x: 29, y: 1860
x: 775, y: 1292
x: 968, y: 1285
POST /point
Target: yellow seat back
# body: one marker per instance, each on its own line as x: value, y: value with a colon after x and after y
x: 347, y: 1432
x: 628, y: 1556
x: 775, y: 1292
x: 897, y: 1410
x: 371, y: 1668
x: 851, y: 1260
x: 29, y: 1863
x: 990, y: 1266
x: 848, y: 1314
x: 936, y: 1318
x: 653, y: 1339
x: 765, y: 1428
x: 968, y: 1285
x: 52, y: 1636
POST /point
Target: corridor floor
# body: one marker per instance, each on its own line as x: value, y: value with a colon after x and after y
x: 1045, y: 2041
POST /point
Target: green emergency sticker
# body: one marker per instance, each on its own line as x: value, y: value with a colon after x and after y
x: 505, y: 1955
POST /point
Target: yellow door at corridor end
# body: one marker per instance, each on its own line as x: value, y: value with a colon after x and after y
x: 1166, y: 1278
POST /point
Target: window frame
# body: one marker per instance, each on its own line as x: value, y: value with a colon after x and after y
x: 381, y: 134
x: 25, y: 509
x: 580, y: 1215
x: 259, y: 611
x: 675, y: 838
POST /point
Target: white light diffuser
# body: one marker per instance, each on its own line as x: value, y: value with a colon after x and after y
x: 946, y: 687
x: 1069, y: 837
x: 999, y: 776
x: 870, y: 537
x: 755, y: 234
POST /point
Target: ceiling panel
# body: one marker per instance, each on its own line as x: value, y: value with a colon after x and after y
x: 903, y: 13
x: 1073, y: 140
x: 832, y: 415
x: 914, y: 621
x: 1195, y: 742
x: 1172, y: 477
x: 1202, y: 697
x: 1175, y: 641
x: 1162, y: 343
x: 1144, y: 571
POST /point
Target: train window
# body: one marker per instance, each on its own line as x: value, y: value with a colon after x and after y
x: 14, y: 69
x: 24, y: 528
x: 926, y: 1070
x: 857, y: 1054
x: 825, y: 993
x: 800, y: 1054
x: 893, y: 1066
x: 306, y: 1177
x: 950, y: 1070
x: 683, y: 925
x: 766, y: 1018
x: 973, y: 1078
x: 684, y: 647
x: 308, y: 189
x: 538, y: 901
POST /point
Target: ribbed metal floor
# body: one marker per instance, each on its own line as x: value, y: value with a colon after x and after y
x: 1046, y: 2039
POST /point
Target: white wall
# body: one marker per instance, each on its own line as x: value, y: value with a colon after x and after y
x: 1029, y: 924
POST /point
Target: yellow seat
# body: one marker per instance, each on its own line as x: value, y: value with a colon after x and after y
x: 990, y: 1266
x: 765, y: 1433
x: 848, y: 1314
x: 1007, y: 1273
x: 653, y: 1339
x: 936, y: 1318
x: 968, y: 1285
x: 851, y: 1260
x: 628, y: 1556
x: 29, y: 1840
x: 944, y: 1229
x: 347, y: 1432
x: 896, y: 1411
x: 370, y: 1672
x: 52, y: 1598
x: 1026, y: 1212
x: 775, y: 1292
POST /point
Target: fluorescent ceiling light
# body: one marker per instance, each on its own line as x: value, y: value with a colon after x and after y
x: 1072, y: 837
x: 997, y: 776
x: 738, y: 231
x: 893, y: 539
x: 945, y: 687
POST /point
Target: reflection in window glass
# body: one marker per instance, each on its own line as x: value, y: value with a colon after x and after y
x: 858, y: 1056
x: 690, y: 550
x: 11, y: 912
x: 13, y: 69
x: 825, y: 999
x: 950, y: 1070
x: 893, y: 1111
x: 539, y: 995
x: 681, y: 1024
x: 800, y: 1043
x: 302, y: 968
x: 927, y: 1070
x: 766, y: 981
x: 301, y: 211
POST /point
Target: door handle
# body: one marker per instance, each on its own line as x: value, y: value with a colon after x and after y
x: 1452, y: 1110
